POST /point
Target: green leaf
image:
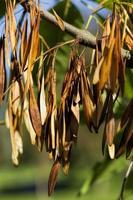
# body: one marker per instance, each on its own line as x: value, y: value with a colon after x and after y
x: 129, y: 83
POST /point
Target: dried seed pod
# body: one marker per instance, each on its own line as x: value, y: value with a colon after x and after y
x: 34, y: 112
x: 2, y: 70
x: 53, y: 176
x: 43, y: 107
x: 28, y: 123
x: 109, y: 130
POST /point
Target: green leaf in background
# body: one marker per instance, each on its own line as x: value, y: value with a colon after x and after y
x: 2, y: 8
x: 102, y: 172
x: 129, y: 83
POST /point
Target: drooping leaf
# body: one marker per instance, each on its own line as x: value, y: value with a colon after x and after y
x: 2, y: 70
x: 53, y: 177
x: 59, y: 21
x: 34, y: 112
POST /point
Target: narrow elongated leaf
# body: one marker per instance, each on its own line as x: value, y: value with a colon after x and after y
x: 106, y: 66
x: 2, y: 70
x: 105, y: 35
x: 59, y: 21
x: 53, y: 176
x: 12, y: 25
x: 15, y: 91
x: 43, y: 108
x: 34, y: 112
x: 28, y: 122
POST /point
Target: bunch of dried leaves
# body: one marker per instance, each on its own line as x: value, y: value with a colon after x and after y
x: 54, y: 125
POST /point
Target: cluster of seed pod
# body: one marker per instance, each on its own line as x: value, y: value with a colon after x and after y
x: 54, y: 125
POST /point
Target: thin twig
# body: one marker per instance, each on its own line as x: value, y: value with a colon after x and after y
x: 121, y: 197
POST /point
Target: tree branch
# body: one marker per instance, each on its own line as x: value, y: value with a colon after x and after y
x: 84, y: 36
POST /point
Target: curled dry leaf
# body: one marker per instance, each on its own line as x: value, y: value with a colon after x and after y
x: 53, y: 176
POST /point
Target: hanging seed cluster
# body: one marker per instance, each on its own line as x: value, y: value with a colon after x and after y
x: 56, y: 126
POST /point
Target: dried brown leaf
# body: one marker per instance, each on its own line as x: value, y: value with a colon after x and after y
x: 28, y: 122
x: 74, y: 121
x: 59, y: 21
x: 34, y: 112
x: 106, y: 66
x: 12, y: 25
x: 15, y: 92
x: 2, y: 70
x: 105, y: 35
x: 53, y: 177
x: 129, y: 41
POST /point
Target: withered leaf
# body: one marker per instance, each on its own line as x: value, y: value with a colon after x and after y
x: 15, y: 149
x: 110, y: 129
x: 53, y: 129
x: 129, y: 41
x: 97, y: 71
x: 105, y: 35
x: 88, y: 108
x: 59, y: 21
x: 74, y: 121
x: 66, y: 166
x: 2, y: 70
x: 53, y: 177
x: 34, y: 112
x: 43, y: 107
x: 106, y: 66
x: 24, y: 45
x: 111, y: 150
x: 28, y: 122
x: 15, y: 92
x: 12, y: 25
x: 115, y: 60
